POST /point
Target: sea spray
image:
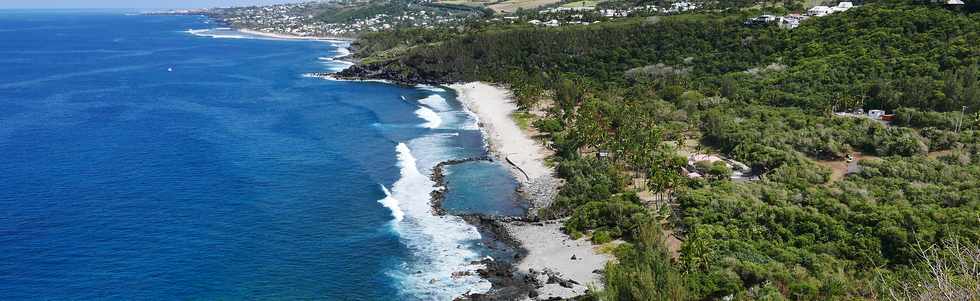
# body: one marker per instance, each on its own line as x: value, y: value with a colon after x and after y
x: 430, y: 88
x: 216, y: 33
x: 392, y: 204
x: 432, y: 119
x: 436, y: 102
x: 474, y: 120
x: 442, y: 267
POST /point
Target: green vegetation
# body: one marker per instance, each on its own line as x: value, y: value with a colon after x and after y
x: 639, y: 88
x: 523, y: 119
x: 589, y: 3
x: 650, y: 274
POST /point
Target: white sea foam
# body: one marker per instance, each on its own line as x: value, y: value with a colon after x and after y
x: 432, y: 119
x: 439, y: 242
x: 430, y: 88
x: 342, y: 51
x: 334, y: 64
x: 214, y: 34
x: 392, y: 204
x: 436, y: 102
x: 332, y: 78
x: 475, y: 124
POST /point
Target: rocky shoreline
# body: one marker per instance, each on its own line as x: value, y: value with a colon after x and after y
x: 509, y: 279
x: 438, y: 176
x: 508, y: 282
x: 362, y: 72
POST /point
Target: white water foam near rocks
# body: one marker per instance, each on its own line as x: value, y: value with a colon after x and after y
x: 441, y: 267
x: 443, y: 246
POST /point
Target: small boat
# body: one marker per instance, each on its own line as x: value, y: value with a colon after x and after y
x: 171, y: 69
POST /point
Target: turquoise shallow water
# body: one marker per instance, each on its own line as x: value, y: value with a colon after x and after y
x: 145, y: 162
x: 482, y: 187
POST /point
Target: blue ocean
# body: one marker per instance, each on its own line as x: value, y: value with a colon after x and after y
x: 165, y: 158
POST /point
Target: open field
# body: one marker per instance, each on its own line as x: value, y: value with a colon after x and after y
x: 586, y: 3
x: 471, y: 3
x: 511, y: 6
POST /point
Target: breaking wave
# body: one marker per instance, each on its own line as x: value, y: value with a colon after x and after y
x: 430, y: 88
x: 216, y: 33
x: 436, y: 102
x: 392, y: 204
x: 475, y: 120
x: 432, y: 119
x: 441, y: 268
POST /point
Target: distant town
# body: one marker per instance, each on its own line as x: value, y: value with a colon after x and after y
x: 332, y: 19
x: 354, y: 17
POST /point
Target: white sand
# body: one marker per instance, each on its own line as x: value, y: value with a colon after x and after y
x: 293, y: 37
x: 548, y: 248
x: 494, y: 106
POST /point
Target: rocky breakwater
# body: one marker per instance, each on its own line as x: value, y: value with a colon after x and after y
x: 379, y: 71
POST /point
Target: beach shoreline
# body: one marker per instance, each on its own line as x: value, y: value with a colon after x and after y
x: 282, y: 36
x: 548, y: 263
x: 509, y: 143
x: 554, y: 263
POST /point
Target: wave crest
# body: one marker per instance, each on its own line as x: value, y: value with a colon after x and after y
x: 391, y: 203
x: 440, y: 242
x: 436, y: 102
x: 432, y: 119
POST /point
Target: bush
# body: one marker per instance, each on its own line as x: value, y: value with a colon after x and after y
x: 548, y: 125
x: 719, y: 170
x: 615, y: 216
x: 601, y: 237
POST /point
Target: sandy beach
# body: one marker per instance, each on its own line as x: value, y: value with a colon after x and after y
x: 494, y: 106
x: 563, y: 267
x: 292, y: 37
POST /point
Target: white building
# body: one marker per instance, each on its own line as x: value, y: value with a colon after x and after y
x: 819, y: 11
x: 682, y: 6
x: 842, y: 7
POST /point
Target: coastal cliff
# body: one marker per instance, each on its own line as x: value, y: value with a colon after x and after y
x: 388, y: 72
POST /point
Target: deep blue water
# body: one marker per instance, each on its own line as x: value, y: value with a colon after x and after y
x: 139, y: 161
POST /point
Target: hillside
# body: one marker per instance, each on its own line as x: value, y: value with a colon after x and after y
x: 651, y: 91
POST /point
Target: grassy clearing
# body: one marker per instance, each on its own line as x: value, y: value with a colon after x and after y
x: 511, y: 6
x: 591, y: 3
x: 471, y: 3
x: 523, y: 120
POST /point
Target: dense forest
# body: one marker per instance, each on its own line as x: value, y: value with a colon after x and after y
x: 650, y: 89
